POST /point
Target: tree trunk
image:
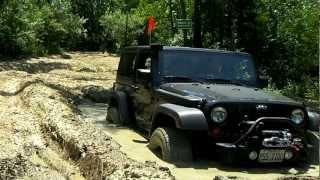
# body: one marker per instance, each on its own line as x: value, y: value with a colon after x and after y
x: 197, y: 39
x: 184, y: 16
x: 171, y: 18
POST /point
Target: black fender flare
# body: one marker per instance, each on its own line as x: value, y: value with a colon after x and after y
x: 120, y: 100
x: 185, y: 118
x: 313, y: 120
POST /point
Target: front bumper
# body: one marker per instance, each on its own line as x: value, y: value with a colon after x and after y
x: 234, y: 154
x: 279, y: 147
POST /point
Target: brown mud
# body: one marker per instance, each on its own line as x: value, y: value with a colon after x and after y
x: 41, y: 134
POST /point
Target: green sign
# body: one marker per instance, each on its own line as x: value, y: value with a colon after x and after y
x: 184, y: 24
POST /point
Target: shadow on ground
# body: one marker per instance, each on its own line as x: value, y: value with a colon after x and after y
x: 298, y: 169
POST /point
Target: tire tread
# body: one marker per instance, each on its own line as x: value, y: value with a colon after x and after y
x: 175, y: 146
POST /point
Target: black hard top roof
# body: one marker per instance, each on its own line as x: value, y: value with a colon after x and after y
x: 174, y: 48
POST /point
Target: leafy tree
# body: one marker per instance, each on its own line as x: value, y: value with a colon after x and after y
x: 92, y: 11
x: 114, y: 27
x: 281, y: 35
x: 37, y: 27
x: 291, y: 43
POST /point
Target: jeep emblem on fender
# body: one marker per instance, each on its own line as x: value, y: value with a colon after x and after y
x: 261, y: 107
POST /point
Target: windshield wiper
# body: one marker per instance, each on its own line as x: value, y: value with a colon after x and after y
x: 226, y: 81
x: 184, y: 78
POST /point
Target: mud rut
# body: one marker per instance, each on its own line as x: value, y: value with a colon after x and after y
x: 41, y: 134
x: 44, y: 136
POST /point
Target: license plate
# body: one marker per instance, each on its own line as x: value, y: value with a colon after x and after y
x: 271, y: 155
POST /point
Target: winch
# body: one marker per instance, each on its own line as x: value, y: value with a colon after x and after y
x: 277, y: 138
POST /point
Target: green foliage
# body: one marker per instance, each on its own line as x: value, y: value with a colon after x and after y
x: 114, y: 25
x: 37, y: 28
x: 308, y: 89
x: 230, y: 25
x: 92, y: 11
x: 291, y: 36
x: 282, y: 35
x: 290, y: 52
x: 159, y: 10
x: 57, y: 29
x: 305, y: 91
x: 14, y: 31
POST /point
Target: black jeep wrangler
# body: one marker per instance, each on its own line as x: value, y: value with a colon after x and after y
x: 182, y: 96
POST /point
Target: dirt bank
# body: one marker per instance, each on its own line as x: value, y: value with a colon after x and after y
x: 25, y: 151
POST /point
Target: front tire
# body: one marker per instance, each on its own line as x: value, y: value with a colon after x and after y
x: 171, y: 145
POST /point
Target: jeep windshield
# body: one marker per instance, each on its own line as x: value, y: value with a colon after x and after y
x: 206, y: 66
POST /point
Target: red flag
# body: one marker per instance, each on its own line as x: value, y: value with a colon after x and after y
x: 151, y: 25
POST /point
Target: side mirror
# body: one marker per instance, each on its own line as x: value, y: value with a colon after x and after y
x: 143, y: 75
x: 263, y: 81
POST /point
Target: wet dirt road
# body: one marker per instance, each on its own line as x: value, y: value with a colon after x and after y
x: 41, y: 134
x: 135, y: 146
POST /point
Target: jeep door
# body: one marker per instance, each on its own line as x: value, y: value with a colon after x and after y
x: 142, y: 99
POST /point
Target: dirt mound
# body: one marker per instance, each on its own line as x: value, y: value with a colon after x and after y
x: 97, y: 155
x: 12, y: 168
x: 24, y: 151
x: 96, y: 93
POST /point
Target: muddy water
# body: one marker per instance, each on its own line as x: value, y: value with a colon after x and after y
x: 135, y: 146
x: 94, y: 112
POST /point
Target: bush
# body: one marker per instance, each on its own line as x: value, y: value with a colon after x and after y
x: 37, y: 28
x: 114, y: 25
x: 308, y: 89
x: 305, y: 91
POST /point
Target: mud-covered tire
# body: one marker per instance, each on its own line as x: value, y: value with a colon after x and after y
x: 113, y: 115
x: 171, y: 144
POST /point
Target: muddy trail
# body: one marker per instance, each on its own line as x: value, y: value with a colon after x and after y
x: 50, y: 128
x: 135, y: 145
x: 41, y: 133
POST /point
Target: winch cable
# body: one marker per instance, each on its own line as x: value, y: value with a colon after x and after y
x: 252, y: 127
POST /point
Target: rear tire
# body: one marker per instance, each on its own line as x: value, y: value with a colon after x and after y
x: 113, y: 115
x: 171, y: 144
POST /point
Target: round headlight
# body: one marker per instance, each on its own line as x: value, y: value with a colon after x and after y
x: 219, y: 114
x: 297, y: 116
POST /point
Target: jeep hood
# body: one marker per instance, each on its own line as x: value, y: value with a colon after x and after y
x: 225, y: 92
